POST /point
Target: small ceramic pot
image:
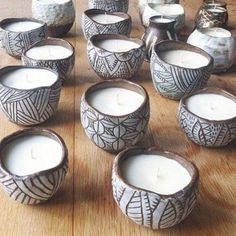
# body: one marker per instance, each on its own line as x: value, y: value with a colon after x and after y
x: 62, y: 66
x: 109, y: 5
x: 115, y: 133
x: 205, y: 132
x: 91, y: 27
x: 115, y: 64
x: 221, y: 48
x: 174, y: 81
x: 38, y: 187
x: 29, y: 106
x: 15, y: 43
x: 59, y: 16
x: 148, y: 208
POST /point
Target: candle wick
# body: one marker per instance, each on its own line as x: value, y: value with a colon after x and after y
x: 32, y: 154
x: 28, y: 78
x: 118, y: 100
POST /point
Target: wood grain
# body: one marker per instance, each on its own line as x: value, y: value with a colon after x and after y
x: 84, y: 205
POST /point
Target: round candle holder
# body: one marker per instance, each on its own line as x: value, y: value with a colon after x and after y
x: 173, y: 81
x: 38, y: 187
x: 29, y: 106
x: 148, y: 208
x: 15, y: 43
x: 62, y: 66
x: 59, y: 16
x: 92, y: 27
x: 114, y: 133
x: 205, y: 132
x: 115, y: 64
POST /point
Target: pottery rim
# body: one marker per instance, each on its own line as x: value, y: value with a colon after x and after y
x: 153, y: 18
x: 215, y: 2
x: 174, y: 5
x: 201, y: 31
x: 54, y: 3
x: 209, y: 8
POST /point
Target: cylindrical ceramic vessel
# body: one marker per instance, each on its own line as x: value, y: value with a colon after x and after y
x: 221, y: 48
x: 148, y: 208
x: 109, y: 5
x: 62, y: 66
x: 59, y: 16
x: 205, y: 132
x: 115, y: 133
x: 111, y: 64
x: 15, y: 43
x: 38, y: 187
x: 91, y: 27
x: 29, y: 106
x: 174, y: 81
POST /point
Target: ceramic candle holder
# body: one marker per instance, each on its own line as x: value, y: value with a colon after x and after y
x: 91, y: 27
x: 62, y: 66
x: 219, y: 43
x: 112, y: 65
x: 15, y: 43
x: 205, y: 132
x: 114, y: 133
x: 175, y: 81
x: 29, y: 106
x: 59, y: 16
x: 35, y: 188
x: 109, y: 5
x: 148, y: 208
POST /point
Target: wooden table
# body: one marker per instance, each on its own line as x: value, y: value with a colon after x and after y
x: 84, y: 205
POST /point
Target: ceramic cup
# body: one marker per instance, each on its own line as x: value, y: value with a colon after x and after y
x: 59, y: 16
x: 174, y: 81
x: 117, y: 62
x: 15, y: 43
x: 148, y: 208
x: 205, y: 132
x: 29, y: 106
x: 114, y: 133
x: 38, y: 187
x: 62, y: 66
x: 92, y: 27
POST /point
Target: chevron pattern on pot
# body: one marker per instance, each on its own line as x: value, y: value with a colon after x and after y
x: 109, y: 5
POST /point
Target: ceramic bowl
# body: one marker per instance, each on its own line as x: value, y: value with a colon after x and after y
x: 91, y: 27
x: 148, y: 208
x: 15, y: 43
x: 62, y: 66
x: 205, y: 132
x: 38, y: 187
x: 29, y: 106
x: 174, y: 81
x: 113, y: 64
x: 114, y: 133
x: 59, y: 16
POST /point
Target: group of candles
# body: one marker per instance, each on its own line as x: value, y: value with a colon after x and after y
x: 28, y: 154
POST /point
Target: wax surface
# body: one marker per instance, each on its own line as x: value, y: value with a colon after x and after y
x: 115, y: 101
x: 216, y: 32
x: 48, y: 52
x: 28, y: 78
x: 212, y: 106
x: 117, y: 45
x: 32, y: 154
x: 162, y: 20
x: 155, y: 173
x: 106, y: 18
x: 22, y: 26
x: 168, y: 9
x: 54, y: 1
x: 184, y: 58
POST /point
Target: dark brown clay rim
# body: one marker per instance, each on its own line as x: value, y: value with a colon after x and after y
x: 10, y: 20
x: 201, y: 30
x: 34, y: 131
x: 12, y: 68
x: 191, y: 167
x: 92, y: 12
x: 116, y: 83
x: 101, y: 37
x: 171, y: 45
x: 152, y: 5
x: 51, y: 41
x: 153, y: 18
x: 213, y: 90
x: 58, y: 3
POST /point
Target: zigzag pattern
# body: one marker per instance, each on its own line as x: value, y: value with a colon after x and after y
x: 109, y: 5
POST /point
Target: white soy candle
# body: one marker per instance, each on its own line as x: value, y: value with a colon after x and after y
x: 115, y: 101
x: 169, y: 9
x: 155, y: 173
x: 32, y: 154
x: 48, y: 52
x: 54, y: 1
x: 28, y: 78
x: 162, y: 20
x: 216, y: 32
x: 184, y: 58
x: 22, y: 26
x: 212, y: 106
x: 106, y: 18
